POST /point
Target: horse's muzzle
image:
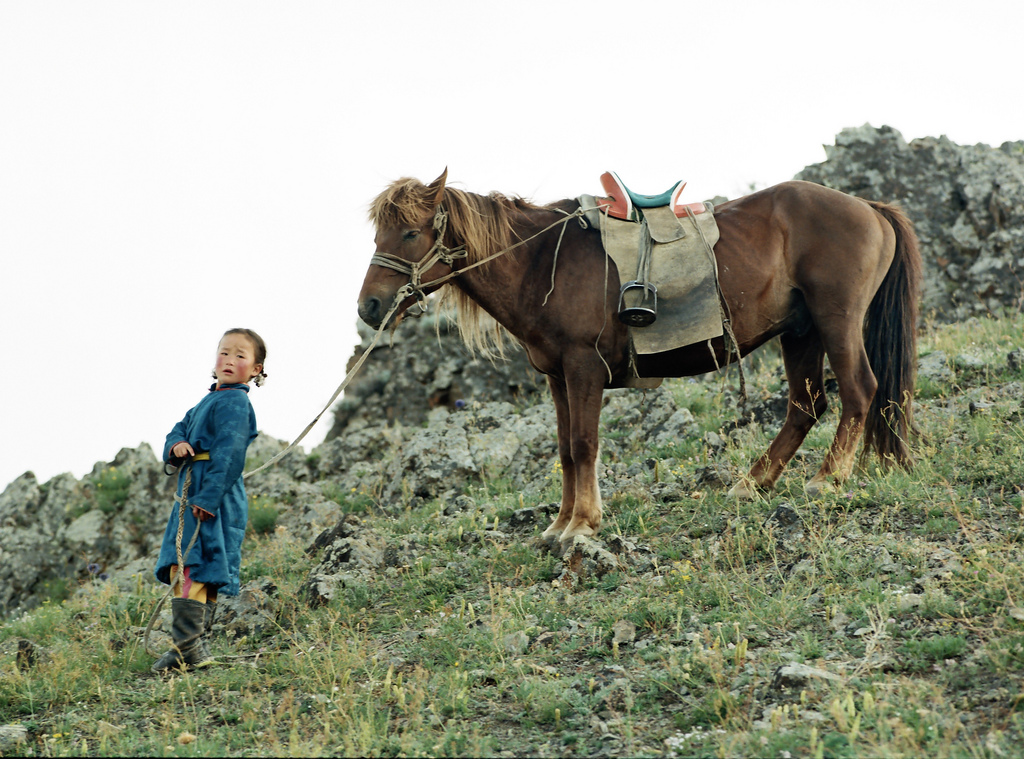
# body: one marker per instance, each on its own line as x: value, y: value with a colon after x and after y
x: 371, y: 311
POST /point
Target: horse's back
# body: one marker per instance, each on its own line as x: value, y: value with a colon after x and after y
x: 807, y: 229
x: 797, y: 200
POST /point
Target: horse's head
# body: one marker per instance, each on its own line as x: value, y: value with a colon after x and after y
x: 410, y: 252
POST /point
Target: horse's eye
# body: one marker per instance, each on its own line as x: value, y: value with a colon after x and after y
x: 412, y: 234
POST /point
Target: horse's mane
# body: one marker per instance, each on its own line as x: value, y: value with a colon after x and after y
x: 483, y: 223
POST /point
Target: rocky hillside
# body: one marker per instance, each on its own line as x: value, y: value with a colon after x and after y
x: 424, y: 418
x: 396, y: 600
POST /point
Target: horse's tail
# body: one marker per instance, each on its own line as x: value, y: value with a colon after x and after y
x: 890, y: 336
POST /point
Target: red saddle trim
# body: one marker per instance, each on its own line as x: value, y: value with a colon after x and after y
x: 619, y: 204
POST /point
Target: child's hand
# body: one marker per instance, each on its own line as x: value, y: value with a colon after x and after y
x: 201, y: 514
x: 182, y: 450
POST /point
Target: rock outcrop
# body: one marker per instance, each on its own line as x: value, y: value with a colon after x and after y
x: 966, y: 202
x: 58, y: 535
x: 421, y: 366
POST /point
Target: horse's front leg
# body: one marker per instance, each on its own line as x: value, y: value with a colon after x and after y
x: 561, y: 400
x: 584, y: 402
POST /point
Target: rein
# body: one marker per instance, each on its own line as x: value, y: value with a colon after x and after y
x: 415, y: 286
x: 438, y: 252
x: 179, y: 578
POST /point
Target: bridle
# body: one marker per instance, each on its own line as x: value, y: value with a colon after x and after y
x: 441, y: 252
x: 415, y: 269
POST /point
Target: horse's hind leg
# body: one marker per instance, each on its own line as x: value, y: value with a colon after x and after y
x: 803, y: 357
x: 857, y: 386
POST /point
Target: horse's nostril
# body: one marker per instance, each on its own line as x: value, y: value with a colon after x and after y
x: 370, y: 311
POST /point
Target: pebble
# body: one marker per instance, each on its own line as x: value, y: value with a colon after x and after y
x: 11, y: 735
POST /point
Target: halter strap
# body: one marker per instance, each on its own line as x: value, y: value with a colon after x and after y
x: 438, y: 252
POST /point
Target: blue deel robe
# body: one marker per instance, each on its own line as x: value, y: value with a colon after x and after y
x: 223, y: 424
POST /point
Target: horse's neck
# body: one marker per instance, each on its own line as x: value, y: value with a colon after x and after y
x: 496, y: 286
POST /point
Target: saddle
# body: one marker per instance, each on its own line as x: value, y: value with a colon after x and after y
x: 622, y: 202
x: 663, y: 250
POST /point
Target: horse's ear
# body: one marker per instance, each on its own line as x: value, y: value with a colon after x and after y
x: 437, y: 187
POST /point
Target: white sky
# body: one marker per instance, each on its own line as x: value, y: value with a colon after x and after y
x: 169, y: 170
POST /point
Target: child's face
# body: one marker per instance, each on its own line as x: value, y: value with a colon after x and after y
x: 236, y: 360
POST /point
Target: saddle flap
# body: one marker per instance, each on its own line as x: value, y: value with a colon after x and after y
x: 663, y: 224
x: 683, y: 271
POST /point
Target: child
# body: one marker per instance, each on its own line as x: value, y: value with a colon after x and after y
x: 211, y: 442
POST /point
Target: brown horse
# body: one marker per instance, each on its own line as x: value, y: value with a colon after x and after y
x: 831, y: 274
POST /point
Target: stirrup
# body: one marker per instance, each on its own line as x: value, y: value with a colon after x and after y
x: 640, y: 309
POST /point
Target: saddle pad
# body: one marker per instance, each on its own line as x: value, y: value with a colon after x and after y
x: 682, y: 270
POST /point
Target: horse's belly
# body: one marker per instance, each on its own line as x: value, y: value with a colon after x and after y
x: 684, y: 362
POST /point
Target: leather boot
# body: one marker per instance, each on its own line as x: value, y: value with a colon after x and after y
x: 188, y: 651
x: 211, y: 612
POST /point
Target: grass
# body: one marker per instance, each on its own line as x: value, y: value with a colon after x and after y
x: 263, y: 515
x: 905, y: 589
x: 106, y: 491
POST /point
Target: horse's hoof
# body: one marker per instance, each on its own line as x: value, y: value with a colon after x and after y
x: 545, y: 545
x: 557, y: 548
x: 573, y: 530
x: 552, y: 533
